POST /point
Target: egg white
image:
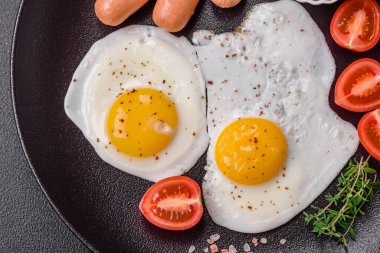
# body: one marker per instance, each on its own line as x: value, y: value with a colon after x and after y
x: 278, y: 66
x: 141, y: 57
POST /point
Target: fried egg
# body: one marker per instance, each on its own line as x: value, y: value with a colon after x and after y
x: 138, y: 96
x: 275, y: 142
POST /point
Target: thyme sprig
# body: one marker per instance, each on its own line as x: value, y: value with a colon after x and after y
x: 355, y: 188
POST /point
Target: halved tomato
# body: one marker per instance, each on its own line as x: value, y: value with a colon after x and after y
x: 356, y: 25
x: 358, y: 87
x: 173, y: 203
x: 369, y: 133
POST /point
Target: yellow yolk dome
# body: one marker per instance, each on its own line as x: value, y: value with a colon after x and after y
x: 251, y: 151
x: 142, y: 122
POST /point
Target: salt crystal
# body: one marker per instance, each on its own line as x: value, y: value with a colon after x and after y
x: 263, y: 240
x: 215, y: 237
x: 224, y: 251
x: 192, y: 249
x: 232, y: 249
x: 246, y: 247
x: 256, y: 244
x: 214, y: 248
x: 205, y: 250
x: 282, y: 241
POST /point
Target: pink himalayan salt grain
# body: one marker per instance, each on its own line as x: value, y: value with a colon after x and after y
x: 215, y: 237
x: 191, y: 249
x: 232, y: 249
x: 213, y: 248
x: 246, y: 247
x: 264, y: 240
x: 210, y: 241
x: 254, y: 240
x: 224, y: 251
x: 282, y: 241
x: 205, y: 250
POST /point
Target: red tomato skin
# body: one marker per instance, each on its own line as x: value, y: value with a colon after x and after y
x: 339, y: 38
x: 341, y: 98
x: 145, y: 204
x: 365, y: 139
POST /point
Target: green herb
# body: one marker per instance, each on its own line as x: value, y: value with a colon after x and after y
x: 355, y: 188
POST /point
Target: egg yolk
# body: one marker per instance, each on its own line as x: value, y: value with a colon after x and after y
x: 251, y: 151
x: 142, y: 122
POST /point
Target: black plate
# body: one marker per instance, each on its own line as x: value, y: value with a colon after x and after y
x: 99, y: 202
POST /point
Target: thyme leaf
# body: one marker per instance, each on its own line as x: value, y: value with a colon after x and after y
x: 355, y: 187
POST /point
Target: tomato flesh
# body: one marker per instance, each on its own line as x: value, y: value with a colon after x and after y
x: 369, y: 133
x: 356, y: 25
x: 173, y: 203
x: 358, y: 87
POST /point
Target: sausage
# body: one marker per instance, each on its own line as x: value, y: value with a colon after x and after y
x: 114, y: 12
x: 173, y: 15
x: 226, y: 3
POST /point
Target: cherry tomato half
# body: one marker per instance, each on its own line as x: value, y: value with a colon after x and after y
x: 369, y: 133
x: 356, y: 25
x: 358, y: 88
x: 173, y: 203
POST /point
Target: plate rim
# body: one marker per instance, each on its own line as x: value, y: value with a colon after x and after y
x: 21, y: 139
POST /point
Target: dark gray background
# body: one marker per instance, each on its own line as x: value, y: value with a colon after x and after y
x: 27, y: 222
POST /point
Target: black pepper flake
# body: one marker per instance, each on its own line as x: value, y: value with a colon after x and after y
x: 157, y: 157
x: 194, y: 133
x: 210, y: 82
x: 250, y: 207
x: 97, y: 140
x: 286, y: 188
x: 163, y: 81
